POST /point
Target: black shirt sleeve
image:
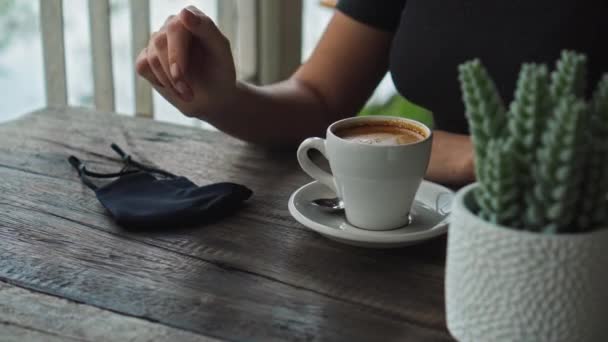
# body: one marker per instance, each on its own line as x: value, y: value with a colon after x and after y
x: 384, y: 15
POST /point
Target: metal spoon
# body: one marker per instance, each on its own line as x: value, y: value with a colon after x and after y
x: 332, y: 205
x: 336, y: 205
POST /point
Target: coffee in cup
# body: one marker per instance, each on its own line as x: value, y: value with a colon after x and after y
x: 377, y: 164
x: 389, y: 132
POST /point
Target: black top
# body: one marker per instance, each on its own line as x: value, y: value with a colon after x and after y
x: 431, y: 37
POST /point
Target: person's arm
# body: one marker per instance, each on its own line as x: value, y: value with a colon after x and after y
x: 189, y: 62
x: 334, y: 83
x: 452, y: 160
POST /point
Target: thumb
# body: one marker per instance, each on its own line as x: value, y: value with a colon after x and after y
x: 203, y: 28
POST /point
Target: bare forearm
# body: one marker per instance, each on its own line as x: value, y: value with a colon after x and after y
x: 278, y: 115
x: 334, y: 82
x: 452, y: 159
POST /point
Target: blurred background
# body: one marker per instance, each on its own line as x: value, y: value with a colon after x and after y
x: 258, y: 59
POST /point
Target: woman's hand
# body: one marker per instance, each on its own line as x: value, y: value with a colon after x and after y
x: 452, y: 160
x: 189, y: 62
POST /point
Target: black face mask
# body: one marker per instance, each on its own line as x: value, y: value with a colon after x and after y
x: 148, y: 198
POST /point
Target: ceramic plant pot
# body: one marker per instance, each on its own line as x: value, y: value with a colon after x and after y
x: 504, y: 284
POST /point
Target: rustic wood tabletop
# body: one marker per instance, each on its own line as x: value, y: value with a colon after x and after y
x: 67, y: 272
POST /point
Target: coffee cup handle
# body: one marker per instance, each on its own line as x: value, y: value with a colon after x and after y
x: 310, y: 167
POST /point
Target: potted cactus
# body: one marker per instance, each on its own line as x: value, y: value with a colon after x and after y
x: 527, y: 255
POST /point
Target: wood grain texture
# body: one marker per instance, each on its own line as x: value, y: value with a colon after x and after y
x: 31, y: 316
x: 265, y: 275
x: 15, y: 333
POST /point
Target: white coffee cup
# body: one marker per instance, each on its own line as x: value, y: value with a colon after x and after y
x: 377, y: 183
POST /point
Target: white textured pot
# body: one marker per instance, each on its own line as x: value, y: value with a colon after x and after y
x: 508, y: 285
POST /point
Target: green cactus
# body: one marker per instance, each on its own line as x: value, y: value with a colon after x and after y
x: 499, y: 198
x: 560, y: 165
x: 484, y: 107
x: 569, y: 77
x: 527, y: 114
x: 529, y: 109
x: 547, y: 172
x: 594, y: 208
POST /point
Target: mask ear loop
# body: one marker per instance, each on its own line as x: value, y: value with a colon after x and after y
x: 79, y: 166
x: 130, y: 162
x: 84, y: 174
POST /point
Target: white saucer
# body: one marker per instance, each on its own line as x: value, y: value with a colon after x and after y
x: 429, y: 218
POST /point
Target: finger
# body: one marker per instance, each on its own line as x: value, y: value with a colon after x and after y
x: 154, y: 60
x: 202, y: 27
x: 160, y: 43
x: 144, y: 70
x: 169, y: 94
x: 168, y: 20
x: 178, y: 45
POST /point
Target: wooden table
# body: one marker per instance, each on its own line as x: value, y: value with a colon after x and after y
x: 67, y: 272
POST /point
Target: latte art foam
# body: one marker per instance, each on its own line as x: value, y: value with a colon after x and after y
x: 383, y: 134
